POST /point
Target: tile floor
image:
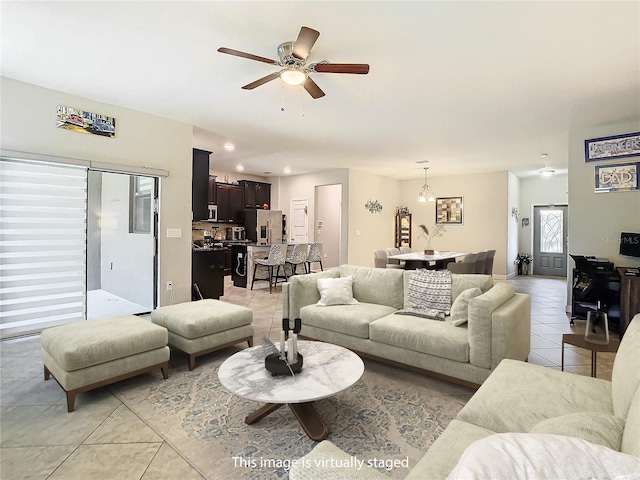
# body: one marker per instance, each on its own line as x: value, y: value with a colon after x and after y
x: 103, y: 439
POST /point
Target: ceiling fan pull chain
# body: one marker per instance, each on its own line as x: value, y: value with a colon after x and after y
x: 282, y: 98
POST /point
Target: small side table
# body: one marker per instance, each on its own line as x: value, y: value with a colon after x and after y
x: 578, y: 340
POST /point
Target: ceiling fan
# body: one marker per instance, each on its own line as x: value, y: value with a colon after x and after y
x: 293, y: 58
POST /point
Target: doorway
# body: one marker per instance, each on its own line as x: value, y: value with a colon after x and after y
x: 299, y: 229
x: 550, y: 240
x: 121, y: 244
x: 328, y: 228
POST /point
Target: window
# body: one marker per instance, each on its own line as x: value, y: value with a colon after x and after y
x: 140, y: 196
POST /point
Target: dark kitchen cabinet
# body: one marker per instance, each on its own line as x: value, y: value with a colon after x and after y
x: 256, y: 194
x: 213, y: 190
x: 207, y: 272
x: 200, y: 185
x: 230, y: 203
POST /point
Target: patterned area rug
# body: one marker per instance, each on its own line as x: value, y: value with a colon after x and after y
x: 389, y: 415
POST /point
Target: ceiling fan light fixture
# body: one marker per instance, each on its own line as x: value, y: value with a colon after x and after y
x: 547, y: 172
x: 293, y: 77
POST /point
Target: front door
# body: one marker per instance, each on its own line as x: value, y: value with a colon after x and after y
x: 550, y: 240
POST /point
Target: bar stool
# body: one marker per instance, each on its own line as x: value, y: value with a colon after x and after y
x: 276, y: 258
x: 298, y: 257
x: 315, y: 256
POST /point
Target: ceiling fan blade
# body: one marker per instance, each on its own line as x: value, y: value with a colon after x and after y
x: 359, y: 68
x: 313, y: 88
x: 261, y: 81
x: 306, y: 39
x: 238, y: 53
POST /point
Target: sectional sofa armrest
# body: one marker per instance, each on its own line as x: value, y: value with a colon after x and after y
x: 511, y: 330
x: 302, y: 290
x: 481, y: 318
x: 328, y: 462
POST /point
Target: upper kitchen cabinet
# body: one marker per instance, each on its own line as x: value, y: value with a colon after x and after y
x: 200, y: 185
x: 256, y: 194
x: 213, y: 190
x: 230, y: 206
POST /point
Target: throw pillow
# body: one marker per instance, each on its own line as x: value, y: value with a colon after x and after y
x: 336, y: 291
x: 460, y: 307
x: 428, y: 294
x: 594, y: 427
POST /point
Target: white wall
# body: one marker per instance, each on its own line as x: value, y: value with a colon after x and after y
x: 28, y: 117
x: 596, y: 219
x: 485, y: 198
x: 329, y: 212
x: 536, y: 191
x: 369, y: 231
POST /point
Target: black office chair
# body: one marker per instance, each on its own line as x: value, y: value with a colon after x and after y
x: 596, y: 286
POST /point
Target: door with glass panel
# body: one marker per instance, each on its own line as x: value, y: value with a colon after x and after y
x: 550, y: 240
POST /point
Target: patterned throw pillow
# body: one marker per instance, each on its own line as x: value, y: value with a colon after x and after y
x: 428, y: 294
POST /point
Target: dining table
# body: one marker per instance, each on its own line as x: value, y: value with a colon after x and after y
x: 437, y: 260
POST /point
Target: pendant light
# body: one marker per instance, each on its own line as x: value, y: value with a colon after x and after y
x: 426, y: 195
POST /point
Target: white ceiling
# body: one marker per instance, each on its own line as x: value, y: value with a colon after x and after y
x: 469, y: 86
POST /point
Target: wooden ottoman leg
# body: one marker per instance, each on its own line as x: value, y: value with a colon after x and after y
x: 71, y: 400
x: 47, y: 373
x: 192, y: 361
x: 165, y: 371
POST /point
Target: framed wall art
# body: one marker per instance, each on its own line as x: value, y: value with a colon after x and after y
x: 449, y: 210
x: 82, y: 121
x: 616, y: 146
x: 616, y: 178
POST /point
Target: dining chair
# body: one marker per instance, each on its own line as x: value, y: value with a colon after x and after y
x: 488, y: 264
x: 380, y: 258
x: 298, y: 257
x: 405, y: 249
x: 394, y: 251
x: 276, y: 258
x: 480, y: 261
x: 467, y: 265
x: 315, y: 256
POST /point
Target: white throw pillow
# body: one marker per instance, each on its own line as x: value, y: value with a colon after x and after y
x: 460, y: 307
x: 505, y: 456
x: 336, y: 291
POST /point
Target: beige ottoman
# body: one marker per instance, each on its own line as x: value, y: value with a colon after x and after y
x: 91, y: 354
x: 201, y: 327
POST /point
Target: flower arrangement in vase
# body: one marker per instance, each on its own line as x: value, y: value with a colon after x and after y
x: 437, y: 230
x: 523, y: 260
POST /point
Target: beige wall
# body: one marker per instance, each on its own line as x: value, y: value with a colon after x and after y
x: 596, y: 219
x: 28, y: 116
x: 370, y: 231
x: 303, y: 186
x: 512, y: 224
x: 485, y: 214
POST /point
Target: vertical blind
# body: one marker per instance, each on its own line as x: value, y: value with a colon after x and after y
x: 43, y: 211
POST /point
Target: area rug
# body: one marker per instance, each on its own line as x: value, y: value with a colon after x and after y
x: 388, y: 419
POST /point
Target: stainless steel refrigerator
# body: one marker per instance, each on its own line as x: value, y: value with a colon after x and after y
x: 263, y: 226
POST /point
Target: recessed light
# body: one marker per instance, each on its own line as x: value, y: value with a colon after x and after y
x: 287, y: 170
x: 239, y: 168
x: 544, y: 155
x: 267, y: 173
x: 229, y: 147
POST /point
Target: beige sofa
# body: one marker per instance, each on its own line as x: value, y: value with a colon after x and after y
x: 527, y: 421
x: 498, y: 327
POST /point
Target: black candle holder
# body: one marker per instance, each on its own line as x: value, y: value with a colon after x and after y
x: 277, y: 366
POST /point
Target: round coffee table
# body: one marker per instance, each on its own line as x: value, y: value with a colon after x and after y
x: 327, y: 370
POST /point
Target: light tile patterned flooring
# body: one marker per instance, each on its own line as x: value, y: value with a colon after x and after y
x: 103, y: 439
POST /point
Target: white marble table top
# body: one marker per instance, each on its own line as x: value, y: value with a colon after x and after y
x: 327, y: 370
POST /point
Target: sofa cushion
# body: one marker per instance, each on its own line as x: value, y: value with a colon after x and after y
x: 518, y: 395
x: 631, y: 434
x: 336, y: 291
x: 376, y: 285
x: 422, y: 335
x: 347, y: 319
x: 460, y: 306
x: 625, y: 377
x: 594, y: 427
x: 538, y: 456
